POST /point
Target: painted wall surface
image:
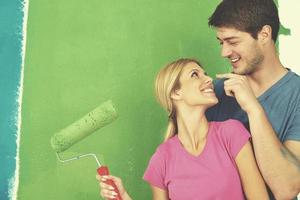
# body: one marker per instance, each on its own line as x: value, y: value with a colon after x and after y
x: 78, y: 55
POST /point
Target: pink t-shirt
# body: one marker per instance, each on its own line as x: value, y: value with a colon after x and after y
x: 212, y: 175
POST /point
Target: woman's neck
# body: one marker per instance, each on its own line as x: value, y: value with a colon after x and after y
x: 192, y: 129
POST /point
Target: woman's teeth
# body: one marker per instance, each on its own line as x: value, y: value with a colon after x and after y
x: 208, y: 90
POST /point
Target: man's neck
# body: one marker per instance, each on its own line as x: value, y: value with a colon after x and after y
x: 266, y: 76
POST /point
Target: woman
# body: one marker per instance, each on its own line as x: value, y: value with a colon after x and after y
x: 198, y: 159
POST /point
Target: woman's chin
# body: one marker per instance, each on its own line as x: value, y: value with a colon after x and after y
x: 212, y: 103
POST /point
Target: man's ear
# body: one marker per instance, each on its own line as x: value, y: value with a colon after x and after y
x: 176, y: 94
x: 265, y: 34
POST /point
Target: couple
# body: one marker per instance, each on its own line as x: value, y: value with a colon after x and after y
x: 206, y: 153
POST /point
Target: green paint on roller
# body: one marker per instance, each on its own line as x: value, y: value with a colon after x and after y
x: 98, y: 118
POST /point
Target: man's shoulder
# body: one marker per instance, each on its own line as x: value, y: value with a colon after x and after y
x: 289, y: 84
x: 293, y: 79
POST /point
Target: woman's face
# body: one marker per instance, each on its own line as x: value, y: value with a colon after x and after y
x: 196, y: 87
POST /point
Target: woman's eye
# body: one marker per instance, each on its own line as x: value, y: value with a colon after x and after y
x: 194, y: 74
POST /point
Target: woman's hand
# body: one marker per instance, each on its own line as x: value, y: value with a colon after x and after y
x: 107, y: 192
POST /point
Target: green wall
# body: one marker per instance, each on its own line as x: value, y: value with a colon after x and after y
x: 82, y: 53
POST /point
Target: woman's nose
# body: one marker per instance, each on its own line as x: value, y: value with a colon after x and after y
x: 208, y: 79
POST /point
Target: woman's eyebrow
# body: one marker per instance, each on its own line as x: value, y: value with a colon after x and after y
x: 197, y: 70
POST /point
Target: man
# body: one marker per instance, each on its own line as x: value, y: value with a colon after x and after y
x: 260, y: 92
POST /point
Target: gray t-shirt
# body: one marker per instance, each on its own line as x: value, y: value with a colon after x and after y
x: 281, y: 103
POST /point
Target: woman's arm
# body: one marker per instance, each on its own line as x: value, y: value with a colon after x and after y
x: 107, y: 191
x: 252, y: 181
x: 159, y: 194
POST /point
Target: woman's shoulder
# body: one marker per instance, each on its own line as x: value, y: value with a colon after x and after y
x: 227, y: 124
x: 167, y: 146
x: 229, y: 128
x: 232, y: 134
x: 169, y: 143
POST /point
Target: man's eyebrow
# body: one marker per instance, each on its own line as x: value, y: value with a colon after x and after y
x: 228, y: 38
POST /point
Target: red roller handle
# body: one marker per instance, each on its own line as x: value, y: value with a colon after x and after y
x: 102, y: 171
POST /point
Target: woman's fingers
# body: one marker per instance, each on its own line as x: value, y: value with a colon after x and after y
x: 105, y: 186
x: 117, y: 181
x: 107, y: 191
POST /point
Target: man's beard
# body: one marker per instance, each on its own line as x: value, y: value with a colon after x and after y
x: 252, y: 65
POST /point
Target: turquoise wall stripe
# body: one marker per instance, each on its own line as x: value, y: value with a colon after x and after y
x: 11, y: 16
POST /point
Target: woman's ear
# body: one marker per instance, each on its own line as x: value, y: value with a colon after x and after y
x: 176, y: 94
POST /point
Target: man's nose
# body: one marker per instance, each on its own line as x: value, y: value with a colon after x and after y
x: 226, y: 51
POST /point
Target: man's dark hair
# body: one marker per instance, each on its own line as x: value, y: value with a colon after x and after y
x: 246, y: 15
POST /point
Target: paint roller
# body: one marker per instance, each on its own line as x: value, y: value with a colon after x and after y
x: 101, y: 116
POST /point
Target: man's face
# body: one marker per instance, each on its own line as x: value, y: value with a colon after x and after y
x: 242, y: 50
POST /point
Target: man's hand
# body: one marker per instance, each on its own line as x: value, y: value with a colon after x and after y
x: 238, y: 86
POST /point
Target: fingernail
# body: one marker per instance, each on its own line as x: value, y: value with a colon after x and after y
x: 111, y: 188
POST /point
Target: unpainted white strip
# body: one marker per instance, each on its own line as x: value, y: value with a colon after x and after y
x: 15, y: 180
x: 289, y: 44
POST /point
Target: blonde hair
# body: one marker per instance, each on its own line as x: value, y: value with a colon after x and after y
x: 167, y: 81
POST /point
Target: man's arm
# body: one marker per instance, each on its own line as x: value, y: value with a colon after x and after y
x: 292, y: 152
x: 279, y: 163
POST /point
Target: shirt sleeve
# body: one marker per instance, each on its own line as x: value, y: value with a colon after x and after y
x: 236, y: 136
x: 293, y: 132
x: 211, y: 113
x: 156, y: 170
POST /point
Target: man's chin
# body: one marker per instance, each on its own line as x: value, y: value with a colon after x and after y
x: 238, y: 71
